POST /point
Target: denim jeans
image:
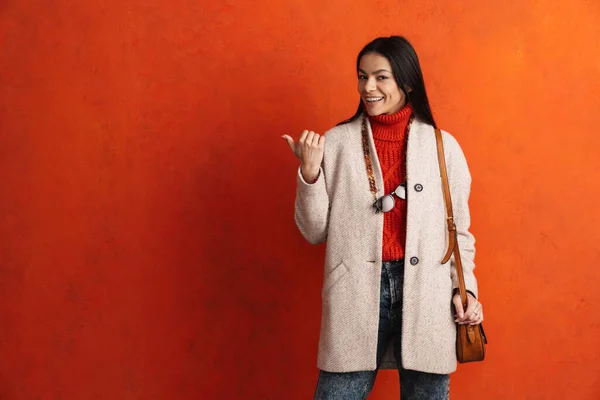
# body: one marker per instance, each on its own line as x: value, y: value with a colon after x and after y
x: 414, y: 385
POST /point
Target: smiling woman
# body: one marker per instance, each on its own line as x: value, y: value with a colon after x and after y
x: 393, y: 61
x: 388, y: 209
x: 377, y: 87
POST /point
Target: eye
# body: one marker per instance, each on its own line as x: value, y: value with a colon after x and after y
x: 362, y: 77
x: 382, y: 77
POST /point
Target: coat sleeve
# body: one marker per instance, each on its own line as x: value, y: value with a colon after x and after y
x: 460, y: 187
x: 312, y: 208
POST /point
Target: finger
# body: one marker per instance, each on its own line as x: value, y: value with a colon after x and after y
x: 478, y: 320
x: 309, y: 138
x: 471, y: 305
x: 315, y: 141
x: 458, y: 307
x: 469, y: 321
x: 303, y: 137
x: 322, y: 141
x: 476, y: 317
x: 469, y: 313
x: 290, y: 142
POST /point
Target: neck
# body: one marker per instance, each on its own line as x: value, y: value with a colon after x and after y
x: 391, y: 127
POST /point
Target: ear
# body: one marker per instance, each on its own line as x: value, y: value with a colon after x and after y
x: 408, y: 89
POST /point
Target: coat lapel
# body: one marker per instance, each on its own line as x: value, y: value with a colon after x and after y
x: 375, y: 160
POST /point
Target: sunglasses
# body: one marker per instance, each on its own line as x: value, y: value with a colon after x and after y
x: 386, y: 203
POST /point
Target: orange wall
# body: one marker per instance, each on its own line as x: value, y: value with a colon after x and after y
x: 148, y: 249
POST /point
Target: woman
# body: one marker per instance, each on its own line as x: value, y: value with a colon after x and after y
x: 371, y: 188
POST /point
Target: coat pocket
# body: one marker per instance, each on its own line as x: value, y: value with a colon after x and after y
x: 334, y: 276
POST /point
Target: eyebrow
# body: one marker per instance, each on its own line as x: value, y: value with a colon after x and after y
x: 376, y: 72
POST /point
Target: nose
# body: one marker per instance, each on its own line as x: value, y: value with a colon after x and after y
x: 370, y: 85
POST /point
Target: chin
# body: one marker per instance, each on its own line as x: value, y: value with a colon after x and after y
x: 371, y: 112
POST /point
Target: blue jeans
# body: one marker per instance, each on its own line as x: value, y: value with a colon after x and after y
x: 414, y: 385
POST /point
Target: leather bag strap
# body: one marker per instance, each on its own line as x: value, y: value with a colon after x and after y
x: 453, y: 237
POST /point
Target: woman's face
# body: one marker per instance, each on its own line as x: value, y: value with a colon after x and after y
x: 377, y: 87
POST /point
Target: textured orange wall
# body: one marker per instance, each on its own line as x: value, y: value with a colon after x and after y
x: 148, y: 249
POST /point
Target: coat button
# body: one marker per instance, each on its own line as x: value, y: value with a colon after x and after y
x: 414, y: 260
x: 418, y: 187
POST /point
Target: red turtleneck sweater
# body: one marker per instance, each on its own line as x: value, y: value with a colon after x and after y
x: 389, y: 134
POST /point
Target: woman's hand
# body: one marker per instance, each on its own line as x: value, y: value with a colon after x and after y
x: 309, y: 151
x: 474, y: 313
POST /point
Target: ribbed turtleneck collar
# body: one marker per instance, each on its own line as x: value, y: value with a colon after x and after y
x: 391, y: 127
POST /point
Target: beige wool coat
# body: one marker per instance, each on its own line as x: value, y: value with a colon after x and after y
x: 338, y: 209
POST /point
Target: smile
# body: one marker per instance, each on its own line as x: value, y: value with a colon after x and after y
x: 373, y: 99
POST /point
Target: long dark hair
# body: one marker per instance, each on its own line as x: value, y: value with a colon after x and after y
x: 407, y: 73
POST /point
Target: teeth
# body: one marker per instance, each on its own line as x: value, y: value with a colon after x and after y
x: 373, y: 99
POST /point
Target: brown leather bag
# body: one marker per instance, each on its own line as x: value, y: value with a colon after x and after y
x: 470, y: 339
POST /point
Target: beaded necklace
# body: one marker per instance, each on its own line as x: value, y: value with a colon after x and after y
x: 367, y: 153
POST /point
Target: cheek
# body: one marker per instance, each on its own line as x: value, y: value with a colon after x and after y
x: 397, y: 96
x: 391, y: 92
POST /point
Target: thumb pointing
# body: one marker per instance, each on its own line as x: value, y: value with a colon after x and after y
x: 290, y: 142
